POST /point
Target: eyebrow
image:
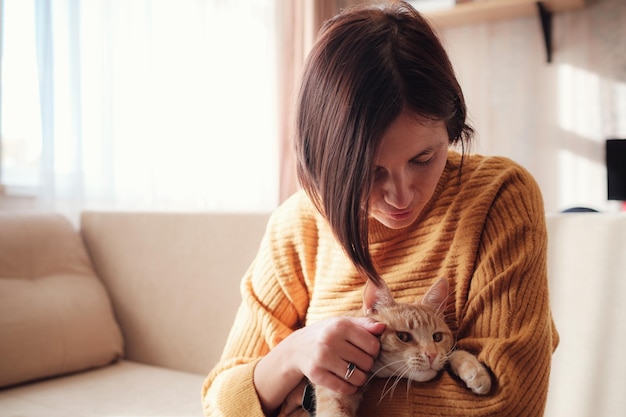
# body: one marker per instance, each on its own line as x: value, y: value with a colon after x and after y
x: 431, y: 148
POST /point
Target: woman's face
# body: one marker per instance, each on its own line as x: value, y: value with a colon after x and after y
x: 407, y: 167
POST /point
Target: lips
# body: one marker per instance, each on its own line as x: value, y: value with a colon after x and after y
x: 401, y: 215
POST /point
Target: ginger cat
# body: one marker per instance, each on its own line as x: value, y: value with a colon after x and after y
x: 416, y: 345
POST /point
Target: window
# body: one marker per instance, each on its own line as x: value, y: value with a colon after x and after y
x: 140, y: 104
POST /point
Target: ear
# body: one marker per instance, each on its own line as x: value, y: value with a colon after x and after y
x: 437, y: 294
x: 375, y: 297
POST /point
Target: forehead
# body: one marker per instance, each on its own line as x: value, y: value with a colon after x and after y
x: 409, y: 135
x: 409, y: 317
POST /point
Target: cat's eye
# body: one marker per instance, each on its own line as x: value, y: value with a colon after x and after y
x: 437, y: 337
x: 404, y: 336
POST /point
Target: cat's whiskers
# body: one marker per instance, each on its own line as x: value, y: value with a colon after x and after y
x: 383, y: 367
x: 449, y: 353
x: 392, y: 388
x: 407, y: 372
x: 395, y: 374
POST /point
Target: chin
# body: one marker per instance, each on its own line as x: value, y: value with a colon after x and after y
x: 423, y: 376
x: 396, y: 224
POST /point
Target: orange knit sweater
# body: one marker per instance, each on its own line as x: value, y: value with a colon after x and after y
x: 484, y: 230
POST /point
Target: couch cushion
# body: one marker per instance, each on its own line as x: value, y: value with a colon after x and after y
x: 126, y: 389
x: 55, y: 315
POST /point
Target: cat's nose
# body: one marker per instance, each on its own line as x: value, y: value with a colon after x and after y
x: 432, y: 356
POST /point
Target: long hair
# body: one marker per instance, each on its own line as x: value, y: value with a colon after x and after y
x: 368, y: 65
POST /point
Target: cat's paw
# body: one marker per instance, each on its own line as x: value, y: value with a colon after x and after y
x: 475, y: 375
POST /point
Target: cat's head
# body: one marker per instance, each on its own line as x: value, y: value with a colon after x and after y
x: 416, y: 342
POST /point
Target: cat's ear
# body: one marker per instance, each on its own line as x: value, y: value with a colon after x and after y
x: 375, y: 297
x: 437, y: 294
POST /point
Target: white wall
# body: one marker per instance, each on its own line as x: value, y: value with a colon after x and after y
x: 553, y: 118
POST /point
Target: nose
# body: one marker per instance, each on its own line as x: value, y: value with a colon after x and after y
x: 431, y: 356
x: 398, y: 191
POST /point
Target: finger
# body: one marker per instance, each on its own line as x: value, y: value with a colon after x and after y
x: 351, y: 353
x: 338, y: 382
x: 374, y: 327
x: 336, y: 371
x: 362, y: 338
x: 354, y: 376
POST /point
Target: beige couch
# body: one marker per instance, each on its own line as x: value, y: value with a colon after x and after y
x: 124, y: 318
x: 127, y: 315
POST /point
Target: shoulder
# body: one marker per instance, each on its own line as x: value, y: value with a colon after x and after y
x: 295, y: 217
x: 495, y: 184
x: 484, y: 170
x: 478, y: 172
x: 296, y: 209
x: 299, y: 202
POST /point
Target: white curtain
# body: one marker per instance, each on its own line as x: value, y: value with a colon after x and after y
x: 140, y: 104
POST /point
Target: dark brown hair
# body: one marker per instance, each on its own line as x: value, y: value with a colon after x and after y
x: 368, y: 65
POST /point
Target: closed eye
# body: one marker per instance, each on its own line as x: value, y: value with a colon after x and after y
x: 404, y: 336
x: 421, y: 162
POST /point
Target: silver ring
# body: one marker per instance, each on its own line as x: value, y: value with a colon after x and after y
x: 349, y: 371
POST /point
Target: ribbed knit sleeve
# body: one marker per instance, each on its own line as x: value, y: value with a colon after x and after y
x: 484, y: 230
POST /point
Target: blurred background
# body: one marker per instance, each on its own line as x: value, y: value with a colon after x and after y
x: 188, y: 105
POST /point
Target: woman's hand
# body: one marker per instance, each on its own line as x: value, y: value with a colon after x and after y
x: 321, y: 352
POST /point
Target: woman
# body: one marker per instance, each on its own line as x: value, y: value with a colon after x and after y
x: 385, y: 198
